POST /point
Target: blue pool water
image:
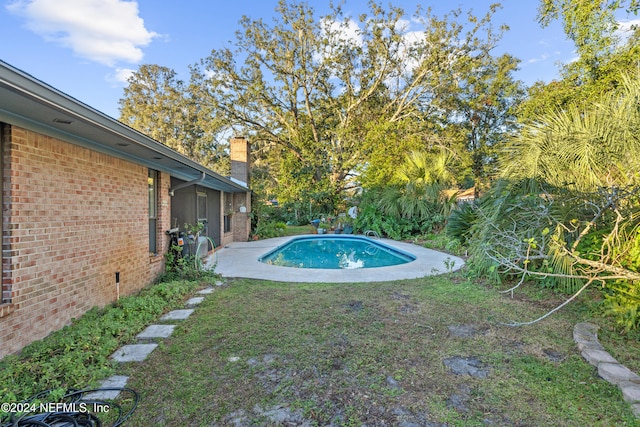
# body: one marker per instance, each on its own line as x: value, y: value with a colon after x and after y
x: 335, y: 252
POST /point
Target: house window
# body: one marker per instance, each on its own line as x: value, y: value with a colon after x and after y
x: 153, y: 210
x: 228, y: 211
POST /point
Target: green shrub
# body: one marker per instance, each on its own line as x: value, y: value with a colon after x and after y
x: 190, y: 267
x: 442, y: 242
x: 460, y: 221
x: 266, y: 230
x: 622, y: 302
x: 398, y: 213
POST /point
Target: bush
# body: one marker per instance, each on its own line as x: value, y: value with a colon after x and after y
x: 190, y: 268
x: 442, y: 242
x: 460, y: 221
x: 622, y: 302
x: 266, y: 230
x: 398, y: 213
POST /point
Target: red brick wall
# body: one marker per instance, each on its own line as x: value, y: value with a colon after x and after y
x: 240, y: 154
x: 72, y: 218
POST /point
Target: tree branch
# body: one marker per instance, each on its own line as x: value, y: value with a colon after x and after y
x: 549, y: 313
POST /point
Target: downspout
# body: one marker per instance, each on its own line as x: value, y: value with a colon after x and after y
x: 187, y: 184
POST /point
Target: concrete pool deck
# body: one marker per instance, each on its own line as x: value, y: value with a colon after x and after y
x: 240, y: 259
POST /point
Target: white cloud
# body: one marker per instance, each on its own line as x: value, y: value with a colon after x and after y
x: 120, y: 75
x: 343, y: 31
x: 626, y: 28
x: 542, y: 57
x: 105, y: 31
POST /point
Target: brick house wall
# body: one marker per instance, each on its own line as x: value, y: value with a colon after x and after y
x: 241, y: 222
x: 72, y: 218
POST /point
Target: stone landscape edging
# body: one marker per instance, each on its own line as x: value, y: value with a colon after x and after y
x: 585, y: 335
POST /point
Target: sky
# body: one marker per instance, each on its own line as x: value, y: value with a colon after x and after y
x: 87, y: 48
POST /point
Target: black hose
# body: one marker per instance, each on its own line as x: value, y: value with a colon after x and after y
x: 75, y: 411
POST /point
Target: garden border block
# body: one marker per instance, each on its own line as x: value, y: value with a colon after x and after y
x: 586, y: 337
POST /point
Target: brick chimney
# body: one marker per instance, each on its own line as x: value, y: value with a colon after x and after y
x: 240, y: 157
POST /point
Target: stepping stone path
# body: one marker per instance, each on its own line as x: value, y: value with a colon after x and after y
x: 192, y: 302
x: 139, y: 352
x: 177, y: 314
x: 114, y: 382
x: 586, y: 337
x: 156, y: 331
x: 133, y: 352
x: 471, y: 366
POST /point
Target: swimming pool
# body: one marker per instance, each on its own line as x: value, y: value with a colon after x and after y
x: 335, y: 252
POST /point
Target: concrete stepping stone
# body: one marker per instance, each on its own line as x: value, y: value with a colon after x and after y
x: 191, y: 302
x: 220, y: 283
x: 177, y: 314
x: 206, y: 291
x: 133, y: 352
x: 116, y: 381
x: 156, y: 331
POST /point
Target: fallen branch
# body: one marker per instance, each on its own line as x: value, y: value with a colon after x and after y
x: 549, y: 313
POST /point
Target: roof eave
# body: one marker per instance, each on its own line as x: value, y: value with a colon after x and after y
x: 27, y: 102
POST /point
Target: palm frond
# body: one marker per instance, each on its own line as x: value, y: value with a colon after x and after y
x: 592, y: 147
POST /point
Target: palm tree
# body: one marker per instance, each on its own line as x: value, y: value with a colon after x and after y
x: 570, y: 208
x: 584, y: 149
x: 426, y: 168
x: 423, y: 177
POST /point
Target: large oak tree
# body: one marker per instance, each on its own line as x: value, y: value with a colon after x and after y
x: 321, y: 97
x: 158, y: 104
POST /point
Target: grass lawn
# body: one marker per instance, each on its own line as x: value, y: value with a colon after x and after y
x: 424, y: 352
